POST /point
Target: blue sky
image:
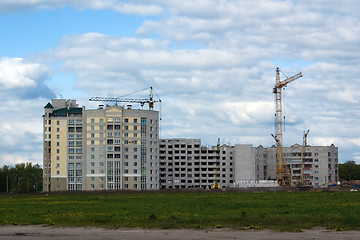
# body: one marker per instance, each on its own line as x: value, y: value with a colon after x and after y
x: 212, y: 62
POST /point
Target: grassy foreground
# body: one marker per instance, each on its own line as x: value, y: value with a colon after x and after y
x: 289, y: 211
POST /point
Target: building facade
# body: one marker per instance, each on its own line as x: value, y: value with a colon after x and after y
x: 320, y: 164
x: 117, y: 147
x: 185, y: 163
x: 108, y: 148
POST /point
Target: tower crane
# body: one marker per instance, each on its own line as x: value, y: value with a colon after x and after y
x: 303, y: 153
x: 142, y: 101
x: 217, y: 174
x: 280, y: 168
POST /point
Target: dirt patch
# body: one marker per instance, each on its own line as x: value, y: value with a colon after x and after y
x: 41, y: 232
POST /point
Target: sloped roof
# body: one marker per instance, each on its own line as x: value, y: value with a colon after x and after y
x: 49, y: 105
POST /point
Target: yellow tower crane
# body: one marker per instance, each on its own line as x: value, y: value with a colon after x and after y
x: 280, y: 166
x: 217, y: 174
x: 303, y: 154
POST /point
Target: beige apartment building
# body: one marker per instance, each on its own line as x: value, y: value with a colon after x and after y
x: 109, y: 148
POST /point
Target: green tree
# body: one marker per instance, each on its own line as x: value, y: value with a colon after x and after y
x: 24, y: 177
x: 349, y: 171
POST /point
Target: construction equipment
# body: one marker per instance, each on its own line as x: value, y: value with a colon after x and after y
x: 217, y: 174
x: 280, y: 167
x: 142, y: 101
x: 303, y: 154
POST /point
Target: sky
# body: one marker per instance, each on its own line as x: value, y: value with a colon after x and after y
x: 211, y: 62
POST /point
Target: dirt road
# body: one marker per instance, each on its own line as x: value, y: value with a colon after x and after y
x: 40, y: 232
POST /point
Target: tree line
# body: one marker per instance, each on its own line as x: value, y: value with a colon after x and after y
x: 22, y: 178
x: 349, y: 171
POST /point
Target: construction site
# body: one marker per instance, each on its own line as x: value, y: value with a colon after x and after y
x: 118, y: 147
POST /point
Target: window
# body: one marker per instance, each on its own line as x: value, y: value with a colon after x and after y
x: 135, y: 149
x: 101, y: 178
x: 135, y: 178
x: 135, y: 128
x: 92, y: 128
x: 135, y: 135
x: 57, y: 122
x: 70, y: 122
x: 92, y: 135
x: 135, y: 156
x: 92, y: 164
x: 117, y: 141
x: 126, y: 120
x: 57, y: 136
x: 126, y: 164
x: 126, y: 135
x: 135, y: 164
x: 117, y: 119
x: 101, y: 186
x: 101, y: 120
x: 92, y: 179
x: 92, y: 120
x: 135, y: 170
x: 135, y: 120
x: 92, y: 171
x: 135, y: 186
x: 110, y: 119
x: 101, y: 128
x: 101, y: 164
x: 58, y: 129
x: 57, y: 158
x: 92, y: 186
x: 126, y: 142
x: 92, y: 149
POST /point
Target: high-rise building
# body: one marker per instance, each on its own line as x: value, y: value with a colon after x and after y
x: 100, y: 149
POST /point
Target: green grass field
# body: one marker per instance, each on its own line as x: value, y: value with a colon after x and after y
x: 288, y: 211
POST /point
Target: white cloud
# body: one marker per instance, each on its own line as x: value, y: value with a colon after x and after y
x: 14, y: 72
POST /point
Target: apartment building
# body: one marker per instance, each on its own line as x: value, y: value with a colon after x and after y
x: 109, y: 148
x: 185, y: 163
x: 320, y: 164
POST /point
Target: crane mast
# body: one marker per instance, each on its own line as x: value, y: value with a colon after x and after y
x: 303, y: 153
x: 217, y: 174
x: 280, y: 166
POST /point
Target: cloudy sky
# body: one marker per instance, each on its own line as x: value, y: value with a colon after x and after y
x: 212, y: 63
